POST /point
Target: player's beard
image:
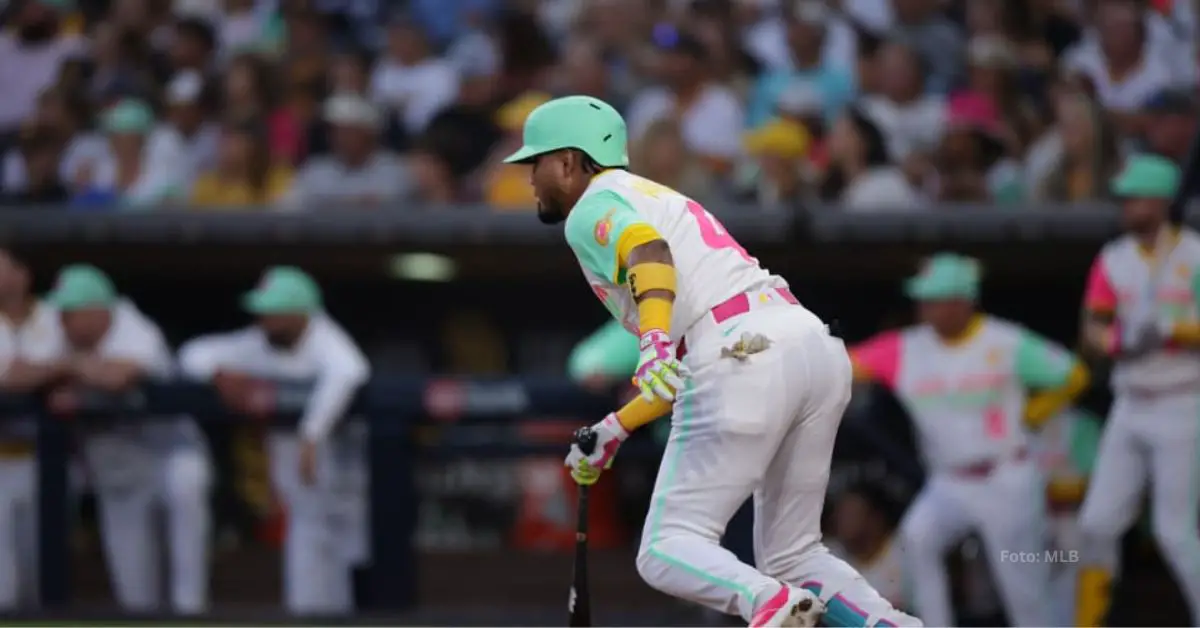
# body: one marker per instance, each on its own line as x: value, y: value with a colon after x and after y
x: 550, y: 213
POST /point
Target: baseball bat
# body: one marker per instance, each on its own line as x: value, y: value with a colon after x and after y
x: 579, y: 602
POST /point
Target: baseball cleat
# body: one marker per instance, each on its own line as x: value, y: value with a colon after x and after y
x: 789, y: 608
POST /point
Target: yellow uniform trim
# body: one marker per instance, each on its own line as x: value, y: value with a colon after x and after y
x: 1187, y: 333
x: 967, y: 334
x: 639, y: 412
x: 1044, y: 405
x: 632, y: 237
x: 651, y: 276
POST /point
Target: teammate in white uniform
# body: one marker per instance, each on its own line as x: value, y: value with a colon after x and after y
x: 758, y: 393
x: 964, y: 377
x: 30, y: 337
x: 1140, y: 309
x: 319, y: 470
x: 141, y: 465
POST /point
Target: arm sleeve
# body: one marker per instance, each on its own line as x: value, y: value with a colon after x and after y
x: 594, y: 229
x: 1041, y: 363
x: 878, y: 359
x: 141, y: 342
x: 201, y: 358
x: 610, y: 351
x: 1100, y: 296
x: 343, y: 370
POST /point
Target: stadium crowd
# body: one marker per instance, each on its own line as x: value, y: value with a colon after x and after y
x: 316, y: 104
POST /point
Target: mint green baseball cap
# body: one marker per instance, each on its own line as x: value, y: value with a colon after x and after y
x: 1147, y: 176
x: 81, y: 287
x: 945, y: 276
x: 581, y: 122
x: 284, y: 290
x: 128, y: 116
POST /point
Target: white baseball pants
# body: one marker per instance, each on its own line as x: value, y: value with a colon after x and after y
x: 18, y: 533
x: 1151, y: 440
x: 1008, y: 507
x: 764, y: 426
x: 133, y: 481
x: 326, y: 522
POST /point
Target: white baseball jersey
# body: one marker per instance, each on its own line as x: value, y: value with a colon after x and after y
x: 38, y: 340
x: 967, y: 400
x: 711, y: 266
x: 1139, y: 290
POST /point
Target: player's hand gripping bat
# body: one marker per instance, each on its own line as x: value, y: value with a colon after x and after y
x: 579, y: 603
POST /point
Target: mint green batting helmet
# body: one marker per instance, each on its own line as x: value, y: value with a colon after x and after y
x: 580, y: 122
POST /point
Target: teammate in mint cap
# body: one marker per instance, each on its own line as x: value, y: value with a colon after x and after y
x: 668, y: 270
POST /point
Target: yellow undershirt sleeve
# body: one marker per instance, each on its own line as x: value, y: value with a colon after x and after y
x: 1044, y: 405
x: 639, y: 412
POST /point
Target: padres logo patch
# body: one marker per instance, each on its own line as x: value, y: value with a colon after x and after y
x: 604, y: 228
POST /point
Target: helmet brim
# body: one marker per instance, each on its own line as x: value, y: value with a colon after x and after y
x: 526, y: 155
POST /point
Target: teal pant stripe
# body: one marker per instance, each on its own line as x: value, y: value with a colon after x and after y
x: 670, y: 468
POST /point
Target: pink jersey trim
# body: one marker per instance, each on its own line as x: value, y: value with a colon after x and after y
x: 1099, y: 294
x: 880, y: 356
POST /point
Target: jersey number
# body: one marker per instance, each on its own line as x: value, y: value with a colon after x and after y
x: 713, y: 232
x: 994, y: 424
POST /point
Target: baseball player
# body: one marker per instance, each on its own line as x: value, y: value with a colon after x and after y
x: 319, y: 471
x: 757, y: 382
x: 30, y: 337
x: 964, y: 379
x: 1140, y: 310
x: 140, y: 466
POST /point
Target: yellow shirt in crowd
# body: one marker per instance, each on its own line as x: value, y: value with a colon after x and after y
x: 212, y: 191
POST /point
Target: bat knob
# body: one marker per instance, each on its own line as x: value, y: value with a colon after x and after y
x: 585, y: 439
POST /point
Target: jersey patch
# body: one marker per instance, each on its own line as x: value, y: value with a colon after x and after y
x: 603, y: 229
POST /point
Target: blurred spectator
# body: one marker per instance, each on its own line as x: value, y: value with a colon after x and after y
x: 506, y: 186
x: 860, y: 176
x: 1086, y: 157
x: 187, y: 138
x: 193, y: 46
x: 992, y: 74
x: 433, y: 179
x: 476, y: 47
x: 40, y: 153
x: 64, y: 117
x: 662, y: 156
x: 127, y: 176
x: 803, y: 105
x: 807, y: 27
x: 247, y: 86
x: 31, y: 54
x: 358, y: 173
x: 1170, y: 122
x: 938, y: 42
x: 911, y: 119
x: 350, y: 73
x: 410, y: 82
x: 244, y: 175
x: 866, y: 64
x: 123, y: 65
x: 581, y: 71
x: 297, y: 122
x: 1119, y: 63
x: 244, y: 26
x: 766, y: 36
x: 779, y: 148
x: 973, y: 163
x: 709, y: 114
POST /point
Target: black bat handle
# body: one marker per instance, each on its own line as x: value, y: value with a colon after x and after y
x: 585, y: 439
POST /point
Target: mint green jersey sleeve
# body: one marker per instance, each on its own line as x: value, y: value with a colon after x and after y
x: 610, y: 351
x: 1041, y: 363
x: 1085, y: 441
x: 594, y: 228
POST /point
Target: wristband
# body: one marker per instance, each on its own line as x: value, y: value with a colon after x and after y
x: 654, y: 314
